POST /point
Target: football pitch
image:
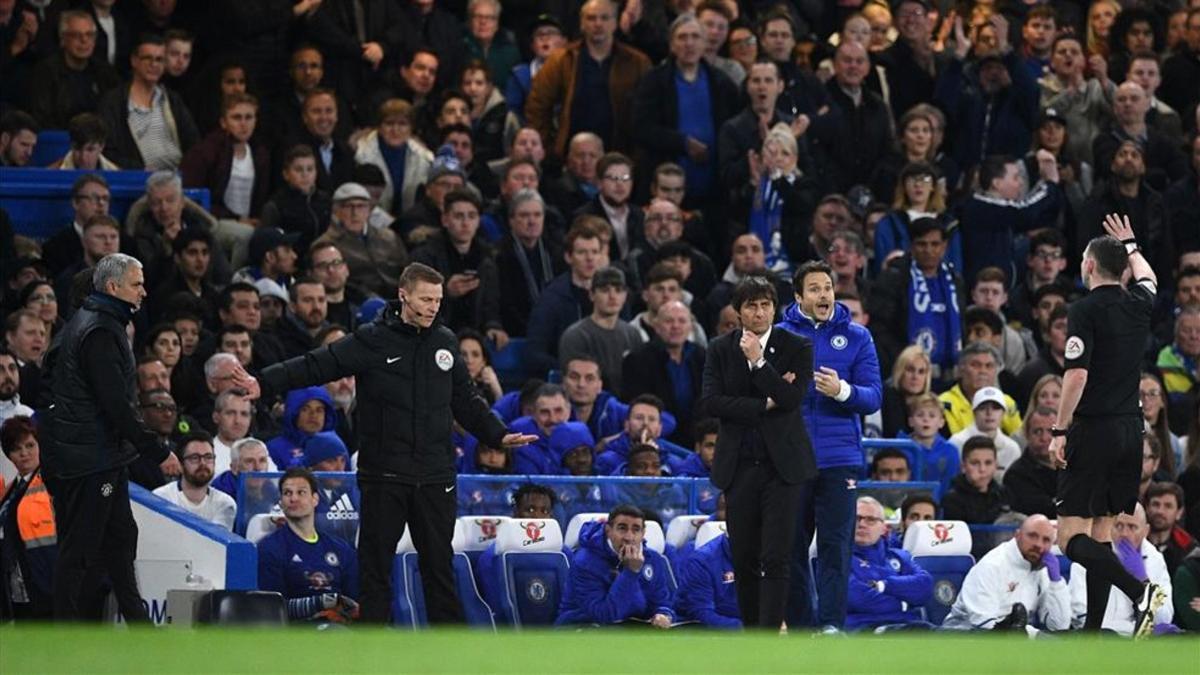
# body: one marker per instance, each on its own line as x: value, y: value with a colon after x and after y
x: 299, y: 650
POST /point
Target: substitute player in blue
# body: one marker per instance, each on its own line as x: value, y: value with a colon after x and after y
x: 614, y: 578
x: 707, y: 589
x: 886, y: 587
x: 845, y: 386
x: 316, y: 573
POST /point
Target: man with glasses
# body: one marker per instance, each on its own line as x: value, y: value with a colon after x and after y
x: 886, y: 587
x: 192, y: 492
x: 375, y: 256
x: 151, y: 126
x: 342, y: 298
x: 615, y: 172
x: 90, y: 197
x: 486, y: 41
x: 1045, y: 264
x: 70, y: 81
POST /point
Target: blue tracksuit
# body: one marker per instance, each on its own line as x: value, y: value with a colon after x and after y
x: 601, y: 591
x: 906, y: 587
x: 536, y: 458
x: 941, y: 461
x: 297, y: 569
x: 287, y: 449
x: 616, y: 451
x: 707, y: 592
x: 836, y: 428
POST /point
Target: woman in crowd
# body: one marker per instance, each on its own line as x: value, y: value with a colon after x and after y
x: 28, y: 537
x: 1075, y: 174
x: 914, y: 144
x: 1101, y: 16
x: 39, y: 298
x: 491, y: 122
x: 473, y: 350
x: 912, y: 375
x: 917, y: 195
x: 1154, y: 396
x: 403, y: 159
x: 1046, y: 393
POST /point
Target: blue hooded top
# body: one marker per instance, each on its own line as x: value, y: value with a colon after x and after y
x: 906, y: 589
x: 707, y: 592
x: 601, y: 591
x: 287, y: 449
x: 836, y: 427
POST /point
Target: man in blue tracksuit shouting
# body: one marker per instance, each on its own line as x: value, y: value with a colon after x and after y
x: 886, y: 587
x: 707, y: 592
x: 614, y: 578
x: 846, y: 385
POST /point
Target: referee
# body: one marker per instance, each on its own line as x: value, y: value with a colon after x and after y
x: 1100, y: 419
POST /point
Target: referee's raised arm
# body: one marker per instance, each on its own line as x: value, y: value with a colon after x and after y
x: 1119, y: 228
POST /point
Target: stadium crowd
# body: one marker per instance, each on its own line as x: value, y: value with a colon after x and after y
x: 593, y: 180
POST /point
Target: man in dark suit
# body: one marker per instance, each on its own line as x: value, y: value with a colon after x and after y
x: 755, y: 379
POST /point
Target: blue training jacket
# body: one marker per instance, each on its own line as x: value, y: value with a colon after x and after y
x: 906, y: 587
x: 600, y: 591
x: 836, y: 428
x: 707, y: 592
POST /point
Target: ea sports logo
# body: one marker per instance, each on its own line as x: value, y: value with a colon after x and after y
x: 444, y: 359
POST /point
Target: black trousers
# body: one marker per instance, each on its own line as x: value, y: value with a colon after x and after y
x: 97, y: 544
x: 761, y: 520
x: 429, y: 511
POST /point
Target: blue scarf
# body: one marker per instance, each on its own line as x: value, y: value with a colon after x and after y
x: 765, y: 216
x: 933, y: 317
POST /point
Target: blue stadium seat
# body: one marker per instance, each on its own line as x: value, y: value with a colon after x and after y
x: 39, y: 200
x: 408, y: 606
x: 533, y: 571
x: 509, y: 363
x: 571, y: 539
x: 52, y: 145
x: 681, y: 539
x: 942, y: 548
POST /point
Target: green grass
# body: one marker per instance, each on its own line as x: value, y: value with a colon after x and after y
x: 106, y: 650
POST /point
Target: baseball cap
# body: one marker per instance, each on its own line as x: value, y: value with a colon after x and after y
x: 267, y: 239
x: 271, y: 288
x: 348, y: 191
x: 1051, y: 114
x: 446, y: 164
x: 988, y: 394
x: 570, y: 435
x: 545, y: 20
x: 322, y: 446
x: 609, y: 276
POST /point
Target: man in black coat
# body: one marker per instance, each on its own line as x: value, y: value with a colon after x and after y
x: 412, y: 389
x: 754, y: 382
x: 335, y: 157
x: 359, y: 37
x: 90, y: 437
x: 858, y: 129
x: 669, y: 366
x: 70, y: 81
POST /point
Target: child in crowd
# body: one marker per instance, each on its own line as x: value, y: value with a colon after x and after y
x: 976, y: 496
x: 989, y: 406
x: 926, y: 419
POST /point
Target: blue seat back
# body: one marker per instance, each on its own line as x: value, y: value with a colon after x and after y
x: 408, y: 605
x: 534, y: 584
x: 509, y: 363
x: 52, y: 145
x: 948, y: 573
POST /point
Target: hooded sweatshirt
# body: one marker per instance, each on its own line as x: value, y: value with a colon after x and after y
x: 287, y: 449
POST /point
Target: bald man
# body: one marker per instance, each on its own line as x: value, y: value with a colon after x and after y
x: 1015, y: 584
x: 1141, y: 559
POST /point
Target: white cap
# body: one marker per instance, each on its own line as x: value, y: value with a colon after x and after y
x: 348, y: 191
x: 988, y: 394
x: 272, y: 288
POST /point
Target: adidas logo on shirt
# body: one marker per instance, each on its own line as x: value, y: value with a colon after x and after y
x: 342, y: 509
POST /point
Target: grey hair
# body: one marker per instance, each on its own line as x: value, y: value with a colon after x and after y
x: 161, y: 178
x: 522, y: 197
x: 215, y: 361
x: 475, y: 3
x: 113, y: 267
x: 873, y: 502
x: 683, y: 20
x: 235, y: 450
x: 979, y: 347
x: 72, y: 15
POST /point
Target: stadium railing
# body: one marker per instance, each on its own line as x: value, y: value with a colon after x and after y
x: 38, y: 201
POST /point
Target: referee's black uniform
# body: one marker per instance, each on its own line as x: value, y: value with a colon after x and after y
x: 1107, y: 331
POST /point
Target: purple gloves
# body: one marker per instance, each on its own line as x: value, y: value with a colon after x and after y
x: 1131, y: 559
x: 1053, y: 568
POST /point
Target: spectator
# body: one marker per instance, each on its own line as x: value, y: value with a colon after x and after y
x: 70, y: 81
x: 414, y: 81
x: 358, y: 40
x: 274, y: 302
x: 527, y: 259
x: 1164, y: 509
x: 487, y: 41
x: 886, y: 587
x: 706, y: 593
x: 234, y: 168
x: 988, y: 406
x: 1129, y: 191
x: 375, y: 256
x: 100, y: 236
x: 307, y: 412
x: 491, y: 120
x: 781, y: 200
x: 914, y: 509
x: 1083, y: 104
x: 566, y: 299
x: 715, y: 18
x: 10, y: 403
x: 298, y: 206
x: 993, y: 112
x: 404, y: 161
x: 746, y: 131
x: 802, y: 95
x: 192, y: 491
x: 18, y: 138
x: 926, y: 421
x: 664, y: 231
x: 743, y: 45
x: 283, y: 113
x: 590, y: 83
x: 1038, y: 32
x: 240, y: 312
x: 88, y: 136
x: 545, y: 37
x: 1187, y: 292
x: 611, y: 203
x: 530, y: 501
x: 1032, y: 482
x: 978, y: 365
x: 662, y: 284
x: 472, y: 348
x: 307, y: 314
x: 670, y: 367
x: 319, y: 117
x: 890, y: 465
x: 1151, y: 458
x: 1145, y: 70
x: 918, y: 194
x: 680, y: 106
x: 151, y: 126
x: 1164, y: 163
x: 975, y: 496
x: 317, y: 575
x: 550, y: 409
x: 643, y: 426
x: 603, y: 335
x: 192, y: 249
x: 856, y: 113
x: 910, y: 377
x: 914, y: 145
x: 158, y: 217
x: 747, y: 256
x: 180, y: 44
x: 998, y: 211
x: 1141, y: 559
x: 699, y: 463
x: 603, y: 413
x: 1152, y: 395
x: 614, y: 577
x: 1027, y: 566
x: 424, y: 219
x: 247, y: 455
x: 578, y: 183
x: 232, y: 416
x: 917, y: 301
x: 29, y: 530
x: 985, y: 325
x: 1177, y: 361
x: 90, y: 197
x: 472, y: 280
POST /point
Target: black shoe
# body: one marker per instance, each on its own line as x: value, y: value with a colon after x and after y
x: 1153, y: 598
x: 1016, y: 620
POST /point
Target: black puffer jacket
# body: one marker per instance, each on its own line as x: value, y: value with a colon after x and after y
x: 94, y: 425
x: 412, y: 386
